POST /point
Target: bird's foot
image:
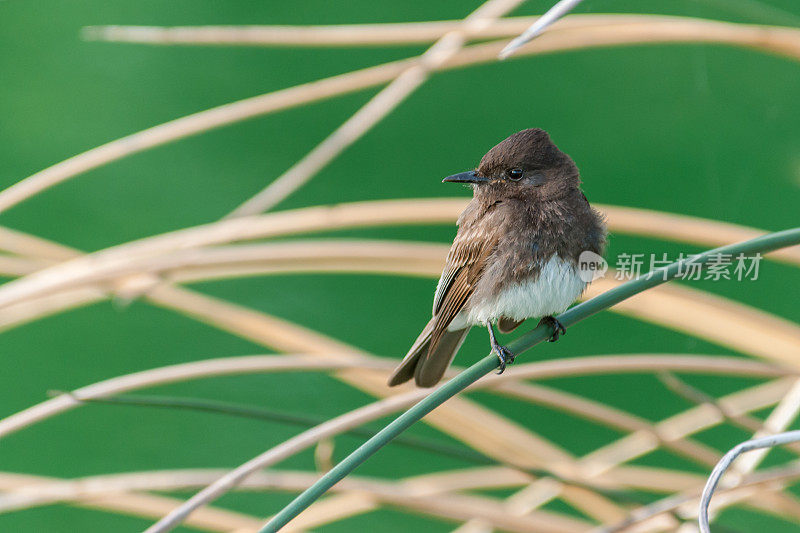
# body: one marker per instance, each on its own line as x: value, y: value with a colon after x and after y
x: 558, y: 327
x: 505, y: 356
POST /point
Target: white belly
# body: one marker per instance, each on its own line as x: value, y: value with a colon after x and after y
x: 557, y: 286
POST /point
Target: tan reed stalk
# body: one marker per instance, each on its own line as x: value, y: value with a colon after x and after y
x: 777, y: 40
x: 380, y: 105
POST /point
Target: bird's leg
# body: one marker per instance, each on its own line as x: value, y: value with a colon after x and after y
x: 505, y: 355
x: 558, y: 327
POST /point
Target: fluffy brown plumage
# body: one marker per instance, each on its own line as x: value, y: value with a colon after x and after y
x: 515, y: 254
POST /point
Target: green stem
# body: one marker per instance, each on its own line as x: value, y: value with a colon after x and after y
x: 763, y: 244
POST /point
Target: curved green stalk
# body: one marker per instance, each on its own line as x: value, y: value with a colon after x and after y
x: 763, y: 244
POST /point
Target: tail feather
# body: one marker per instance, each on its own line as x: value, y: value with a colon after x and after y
x: 431, y: 369
x: 428, y: 368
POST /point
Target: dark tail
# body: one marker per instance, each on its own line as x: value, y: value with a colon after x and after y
x: 428, y: 368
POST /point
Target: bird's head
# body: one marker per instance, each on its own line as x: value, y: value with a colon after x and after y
x: 526, y: 164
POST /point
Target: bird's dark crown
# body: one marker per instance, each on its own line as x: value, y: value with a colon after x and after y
x: 528, y: 150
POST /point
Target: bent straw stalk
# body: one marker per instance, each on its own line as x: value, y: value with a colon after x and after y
x: 349, y: 35
x: 725, y: 462
x: 587, y: 365
x: 378, y: 107
x: 783, y: 41
x: 489, y: 363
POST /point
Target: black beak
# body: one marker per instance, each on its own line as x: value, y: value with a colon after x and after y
x: 465, y: 177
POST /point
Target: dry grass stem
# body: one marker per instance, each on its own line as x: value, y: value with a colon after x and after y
x: 375, y: 110
x: 682, y: 425
x: 778, y: 40
x: 403, y: 33
x: 286, y: 449
x: 581, y: 366
x: 184, y: 372
x: 778, y: 421
x: 685, y: 503
x: 123, y: 257
x: 144, y: 505
x: 723, y: 321
x: 32, y: 491
x: 738, y: 398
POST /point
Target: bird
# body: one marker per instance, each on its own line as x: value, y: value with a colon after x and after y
x: 515, y: 255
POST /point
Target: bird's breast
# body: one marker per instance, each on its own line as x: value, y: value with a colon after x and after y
x: 553, y: 290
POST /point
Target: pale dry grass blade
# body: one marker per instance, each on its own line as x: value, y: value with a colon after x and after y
x: 474, y: 526
x: 687, y: 229
x: 714, y: 318
x: 196, y: 123
x: 12, y: 267
x: 26, y: 491
x: 345, y: 135
x: 284, y: 450
x: 375, y: 110
x: 333, y: 509
x: 778, y: 40
x: 617, y: 364
x: 219, y: 367
x: 464, y: 507
x: 237, y: 319
x: 120, y: 259
x: 482, y: 429
x: 184, y: 372
x: 515, y: 436
x: 605, y: 415
x: 746, y: 422
x: 755, y: 486
x: 425, y: 484
x: 355, y: 34
x: 24, y: 244
x: 645, y: 477
x: 22, y: 491
x: 449, y: 506
x: 143, y: 505
x: 581, y: 366
x: 344, y: 34
x: 733, y: 325
x: 682, y: 425
x: 38, y: 308
x: 605, y: 460
x: 486, y: 477
x: 778, y: 421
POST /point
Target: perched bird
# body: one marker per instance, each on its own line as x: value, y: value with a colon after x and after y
x: 515, y: 255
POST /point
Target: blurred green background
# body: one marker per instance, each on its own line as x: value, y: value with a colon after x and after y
x: 710, y: 131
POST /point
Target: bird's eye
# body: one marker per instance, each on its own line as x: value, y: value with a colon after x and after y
x: 515, y: 174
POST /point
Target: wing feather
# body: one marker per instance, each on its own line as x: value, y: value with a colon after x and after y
x: 465, y: 265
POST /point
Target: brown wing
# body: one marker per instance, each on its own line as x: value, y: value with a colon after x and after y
x: 465, y: 264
